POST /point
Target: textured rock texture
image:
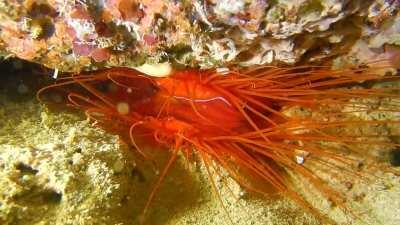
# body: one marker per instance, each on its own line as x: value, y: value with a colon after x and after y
x: 71, y: 35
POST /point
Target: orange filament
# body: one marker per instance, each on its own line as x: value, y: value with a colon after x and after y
x: 238, y: 119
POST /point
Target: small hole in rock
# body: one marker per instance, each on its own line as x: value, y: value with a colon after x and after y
x: 395, y: 158
x: 49, y: 28
x: 40, y: 10
x: 51, y: 196
x: 137, y: 174
x: 26, y: 169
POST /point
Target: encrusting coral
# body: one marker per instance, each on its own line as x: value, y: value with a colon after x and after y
x: 86, y: 35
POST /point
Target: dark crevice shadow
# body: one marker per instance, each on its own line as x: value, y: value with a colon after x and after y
x: 178, y: 193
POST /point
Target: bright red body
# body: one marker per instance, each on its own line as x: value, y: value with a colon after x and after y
x: 198, y: 104
x: 180, y: 104
x: 237, y: 119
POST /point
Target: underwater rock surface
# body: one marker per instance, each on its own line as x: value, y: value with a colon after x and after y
x: 57, y: 168
x: 73, y: 35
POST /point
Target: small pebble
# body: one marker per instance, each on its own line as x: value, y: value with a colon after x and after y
x: 299, y: 159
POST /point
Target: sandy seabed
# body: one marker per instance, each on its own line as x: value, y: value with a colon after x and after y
x: 57, y: 168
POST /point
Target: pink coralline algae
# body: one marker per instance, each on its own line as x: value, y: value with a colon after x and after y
x: 71, y: 35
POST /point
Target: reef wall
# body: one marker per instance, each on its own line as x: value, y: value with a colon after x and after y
x: 71, y: 35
